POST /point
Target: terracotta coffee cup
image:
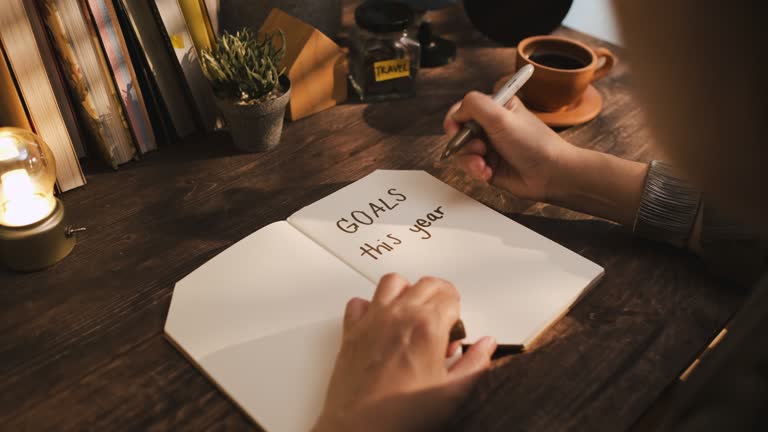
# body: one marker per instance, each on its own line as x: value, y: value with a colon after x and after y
x: 563, y: 70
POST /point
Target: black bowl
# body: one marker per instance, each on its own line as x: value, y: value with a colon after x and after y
x: 510, y: 21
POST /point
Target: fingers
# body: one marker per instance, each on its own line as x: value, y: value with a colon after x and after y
x: 453, y: 347
x: 430, y: 307
x: 470, y: 158
x: 476, y: 166
x: 475, y: 146
x: 482, y: 109
x: 514, y: 104
x: 437, y: 297
x: 445, y: 304
x: 356, y: 308
x: 450, y: 126
x: 492, y: 160
x: 475, y: 360
x: 390, y: 286
x: 426, y: 288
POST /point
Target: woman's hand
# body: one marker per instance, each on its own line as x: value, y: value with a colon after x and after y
x: 390, y: 374
x: 521, y: 154
x: 524, y: 153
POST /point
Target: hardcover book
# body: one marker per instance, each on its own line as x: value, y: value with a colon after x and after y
x: 184, y: 48
x: 147, y: 26
x: 90, y: 86
x: 120, y: 64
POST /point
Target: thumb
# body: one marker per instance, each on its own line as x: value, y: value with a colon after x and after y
x: 356, y: 308
x: 475, y: 360
x: 482, y: 109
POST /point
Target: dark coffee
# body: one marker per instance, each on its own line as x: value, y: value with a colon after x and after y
x: 557, y: 60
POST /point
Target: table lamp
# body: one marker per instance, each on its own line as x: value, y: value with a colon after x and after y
x: 34, y: 233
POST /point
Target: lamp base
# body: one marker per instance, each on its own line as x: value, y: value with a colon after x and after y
x: 37, y: 246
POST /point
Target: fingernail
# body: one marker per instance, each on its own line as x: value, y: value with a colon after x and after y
x: 488, y: 343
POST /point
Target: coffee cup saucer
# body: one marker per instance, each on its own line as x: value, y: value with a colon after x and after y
x: 585, y: 109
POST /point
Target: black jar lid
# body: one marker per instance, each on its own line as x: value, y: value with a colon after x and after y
x: 383, y: 16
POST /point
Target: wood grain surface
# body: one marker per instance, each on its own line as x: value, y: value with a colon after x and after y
x: 81, y: 344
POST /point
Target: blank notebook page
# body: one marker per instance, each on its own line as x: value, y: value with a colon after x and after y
x: 263, y: 320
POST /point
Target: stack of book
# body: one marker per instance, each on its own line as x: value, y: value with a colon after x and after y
x: 106, y: 79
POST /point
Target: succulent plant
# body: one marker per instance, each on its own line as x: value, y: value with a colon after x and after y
x: 244, y: 65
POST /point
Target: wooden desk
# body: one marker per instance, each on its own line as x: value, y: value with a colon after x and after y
x: 81, y: 344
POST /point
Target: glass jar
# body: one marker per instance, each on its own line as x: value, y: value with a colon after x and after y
x: 384, y: 57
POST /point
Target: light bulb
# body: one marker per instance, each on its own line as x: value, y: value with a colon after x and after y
x: 27, y: 178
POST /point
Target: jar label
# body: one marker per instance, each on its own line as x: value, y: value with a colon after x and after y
x: 391, y: 69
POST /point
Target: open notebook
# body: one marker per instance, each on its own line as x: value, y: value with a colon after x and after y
x: 263, y: 318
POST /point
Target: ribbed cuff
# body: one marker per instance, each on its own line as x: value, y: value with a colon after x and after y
x: 668, y: 206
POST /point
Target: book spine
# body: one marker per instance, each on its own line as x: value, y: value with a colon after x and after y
x: 159, y: 54
x: 133, y: 100
x: 197, y: 23
x: 212, y: 10
x: 176, y: 28
x: 117, y: 140
x: 157, y: 112
x: 58, y: 80
x: 129, y: 93
x: 12, y: 110
x: 75, y: 70
x: 209, y: 26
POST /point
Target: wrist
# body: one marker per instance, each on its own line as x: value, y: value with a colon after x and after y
x: 566, y: 168
x: 598, y: 184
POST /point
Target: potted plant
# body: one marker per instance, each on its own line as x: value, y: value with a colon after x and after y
x: 251, y: 89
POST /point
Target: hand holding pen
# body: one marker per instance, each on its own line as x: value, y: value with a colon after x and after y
x: 471, y: 129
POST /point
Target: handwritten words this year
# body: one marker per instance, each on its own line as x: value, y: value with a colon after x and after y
x: 369, y: 216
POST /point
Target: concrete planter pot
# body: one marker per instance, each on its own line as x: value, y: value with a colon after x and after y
x: 258, y: 127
